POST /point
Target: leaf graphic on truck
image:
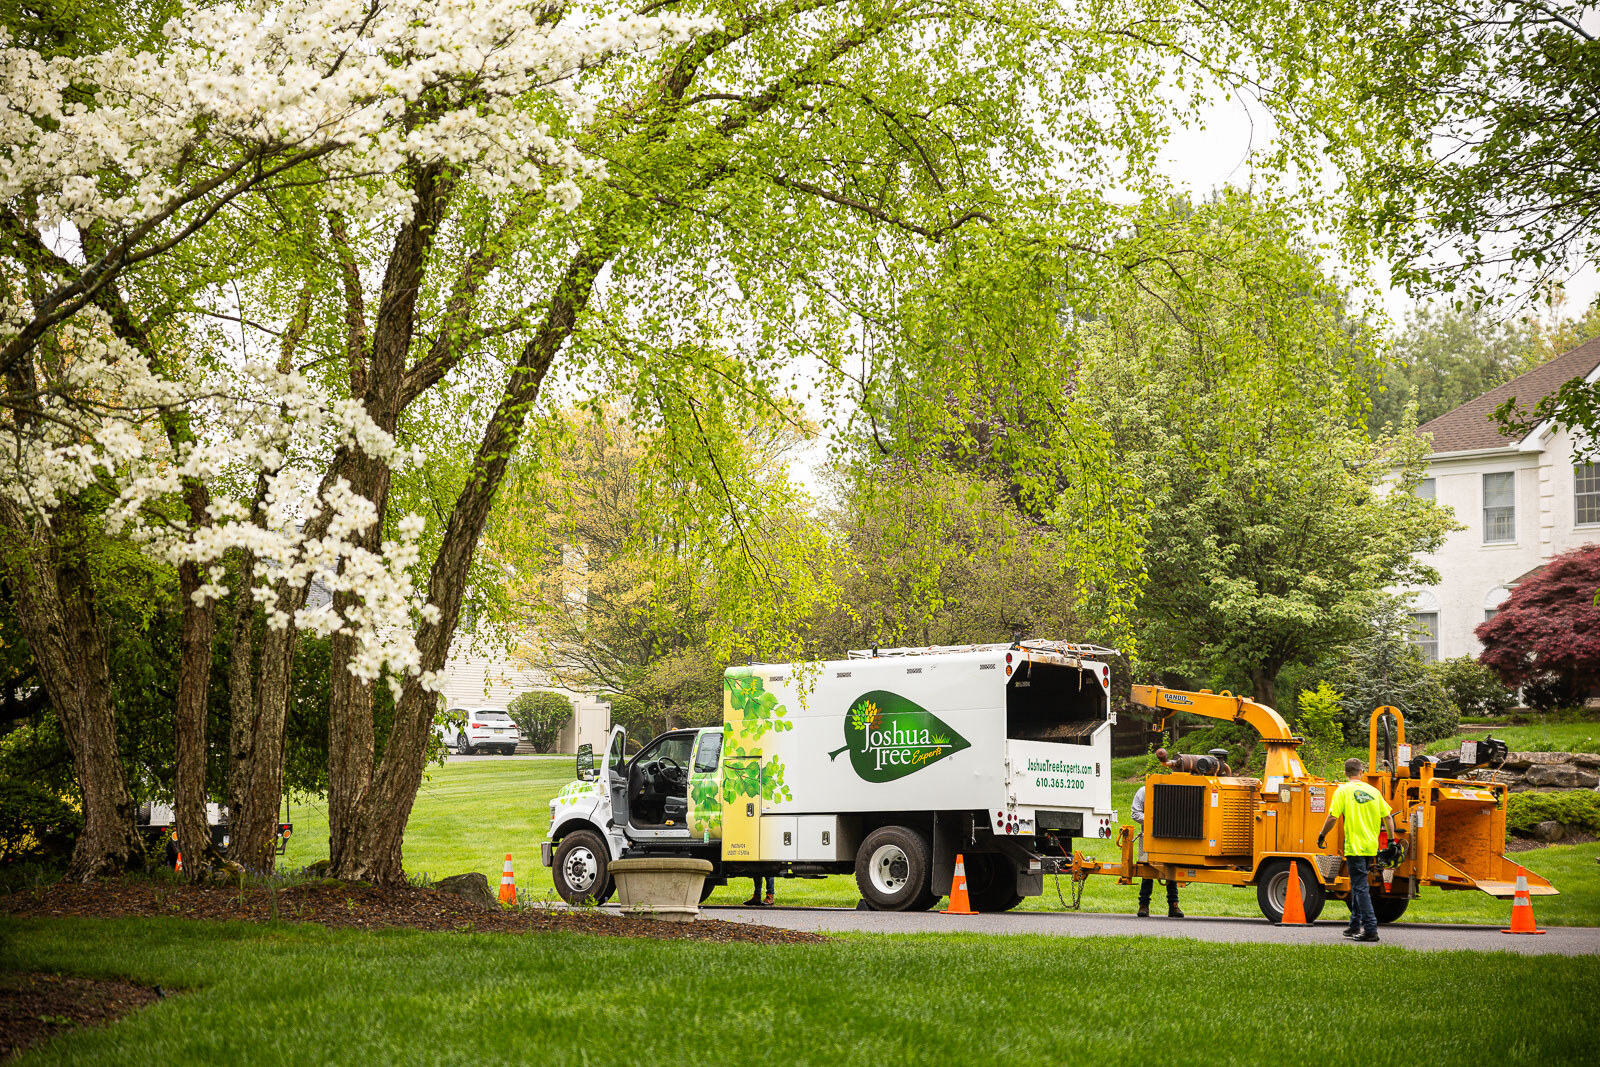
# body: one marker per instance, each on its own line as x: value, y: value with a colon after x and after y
x: 889, y: 737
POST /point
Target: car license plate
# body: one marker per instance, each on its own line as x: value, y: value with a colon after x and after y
x: 499, y: 731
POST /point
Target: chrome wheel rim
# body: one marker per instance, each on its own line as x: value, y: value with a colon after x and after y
x: 581, y: 870
x: 889, y: 869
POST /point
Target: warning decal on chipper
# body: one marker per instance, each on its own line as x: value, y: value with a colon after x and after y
x: 1319, y: 799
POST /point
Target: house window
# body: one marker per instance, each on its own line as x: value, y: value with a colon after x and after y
x: 1425, y: 490
x: 1492, y: 601
x: 1586, y: 494
x: 1425, y: 635
x: 1499, y: 507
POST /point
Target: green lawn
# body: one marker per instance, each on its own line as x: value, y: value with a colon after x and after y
x: 468, y: 815
x: 1542, y: 737
x: 286, y: 993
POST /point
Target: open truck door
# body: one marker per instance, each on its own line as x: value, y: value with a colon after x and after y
x: 614, y: 775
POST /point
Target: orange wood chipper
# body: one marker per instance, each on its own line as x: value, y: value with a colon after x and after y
x: 1203, y: 824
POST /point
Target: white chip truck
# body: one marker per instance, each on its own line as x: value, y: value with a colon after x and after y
x: 887, y: 764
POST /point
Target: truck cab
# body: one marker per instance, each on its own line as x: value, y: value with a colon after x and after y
x: 642, y: 802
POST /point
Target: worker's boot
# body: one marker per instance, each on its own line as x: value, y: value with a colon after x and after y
x: 1174, y: 912
x: 1144, y: 911
x: 1367, y: 935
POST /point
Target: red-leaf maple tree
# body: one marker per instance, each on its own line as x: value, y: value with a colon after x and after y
x: 1546, y: 636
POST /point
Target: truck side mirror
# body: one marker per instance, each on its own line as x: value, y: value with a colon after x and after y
x: 586, y: 771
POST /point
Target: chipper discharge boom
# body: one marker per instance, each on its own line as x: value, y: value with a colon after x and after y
x: 1204, y: 824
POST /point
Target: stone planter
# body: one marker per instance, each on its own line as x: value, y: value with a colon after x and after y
x: 661, y: 887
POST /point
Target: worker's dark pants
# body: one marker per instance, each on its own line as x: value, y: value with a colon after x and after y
x: 1362, y: 916
x: 1148, y: 885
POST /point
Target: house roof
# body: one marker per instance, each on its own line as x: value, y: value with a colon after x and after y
x: 1469, y: 428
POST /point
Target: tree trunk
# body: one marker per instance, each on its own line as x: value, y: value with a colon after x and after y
x: 241, y: 698
x: 1264, y: 686
x: 57, y: 613
x: 384, y: 811
x: 253, y: 830
x: 194, y: 682
x: 378, y: 378
x: 351, y: 752
x: 257, y: 713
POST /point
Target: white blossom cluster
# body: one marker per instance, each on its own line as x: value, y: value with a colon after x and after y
x: 370, y: 84
x: 106, y: 429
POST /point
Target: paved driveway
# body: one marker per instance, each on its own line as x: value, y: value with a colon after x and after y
x: 1562, y: 940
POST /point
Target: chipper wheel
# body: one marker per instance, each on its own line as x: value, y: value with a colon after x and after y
x: 1273, y: 886
x: 1388, y: 908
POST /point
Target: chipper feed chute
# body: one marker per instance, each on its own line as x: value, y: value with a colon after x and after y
x: 1461, y: 849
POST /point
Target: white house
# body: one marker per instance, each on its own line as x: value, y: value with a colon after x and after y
x: 1522, y: 500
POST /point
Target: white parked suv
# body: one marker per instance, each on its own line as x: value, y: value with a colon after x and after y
x: 480, y: 729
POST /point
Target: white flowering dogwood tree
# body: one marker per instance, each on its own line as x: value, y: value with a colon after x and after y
x: 114, y: 165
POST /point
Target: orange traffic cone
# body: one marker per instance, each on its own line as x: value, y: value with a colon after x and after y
x: 508, y: 884
x: 179, y: 867
x: 959, y: 904
x: 1522, y: 908
x: 1294, y: 909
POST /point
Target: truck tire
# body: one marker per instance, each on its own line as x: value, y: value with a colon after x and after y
x: 1273, y: 884
x: 579, y: 868
x: 1388, y: 908
x: 893, y: 870
x: 991, y: 882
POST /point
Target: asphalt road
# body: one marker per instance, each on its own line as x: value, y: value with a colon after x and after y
x: 1558, y: 940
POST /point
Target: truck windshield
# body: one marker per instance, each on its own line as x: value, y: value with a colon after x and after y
x: 1047, y: 702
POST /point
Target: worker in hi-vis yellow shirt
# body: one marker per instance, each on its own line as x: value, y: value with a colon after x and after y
x: 1362, y: 809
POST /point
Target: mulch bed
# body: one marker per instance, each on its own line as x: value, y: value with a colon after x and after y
x: 360, y: 907
x: 1528, y: 844
x: 37, y: 1007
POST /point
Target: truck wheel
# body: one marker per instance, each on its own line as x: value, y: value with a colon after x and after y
x: 892, y: 869
x: 1274, y: 885
x: 579, y: 868
x: 1388, y: 908
x: 463, y: 748
x: 991, y: 882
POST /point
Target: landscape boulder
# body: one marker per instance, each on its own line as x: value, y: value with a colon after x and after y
x: 1561, y: 776
x: 1543, y: 772
x: 1549, y: 830
x: 471, y: 887
x: 1522, y: 761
